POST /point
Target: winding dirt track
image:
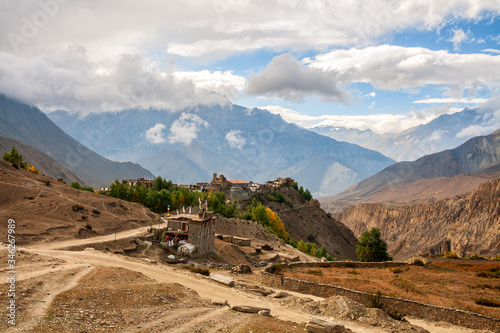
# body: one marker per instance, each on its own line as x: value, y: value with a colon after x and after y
x: 204, y: 286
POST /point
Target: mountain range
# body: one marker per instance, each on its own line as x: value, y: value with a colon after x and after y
x: 241, y: 143
x: 31, y: 126
x: 477, y: 155
x: 445, y: 132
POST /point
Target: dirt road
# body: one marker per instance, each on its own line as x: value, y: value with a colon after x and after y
x: 204, y: 286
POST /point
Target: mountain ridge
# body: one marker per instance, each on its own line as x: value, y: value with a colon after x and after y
x: 240, y: 143
x: 30, y: 125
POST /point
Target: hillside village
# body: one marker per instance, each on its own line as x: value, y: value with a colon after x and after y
x: 233, y: 189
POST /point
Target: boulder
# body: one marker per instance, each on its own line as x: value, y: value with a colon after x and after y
x: 323, y: 325
x: 241, y: 269
x: 249, y: 309
x: 227, y: 280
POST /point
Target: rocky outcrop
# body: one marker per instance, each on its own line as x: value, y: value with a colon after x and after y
x: 467, y: 224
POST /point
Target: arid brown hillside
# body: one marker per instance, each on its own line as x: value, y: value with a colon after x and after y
x: 468, y: 224
x: 478, y: 155
x: 46, y: 164
x: 46, y: 210
x: 307, y: 221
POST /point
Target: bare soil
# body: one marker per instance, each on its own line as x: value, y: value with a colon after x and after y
x: 452, y: 284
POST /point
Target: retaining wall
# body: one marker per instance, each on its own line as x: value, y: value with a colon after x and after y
x: 403, y: 306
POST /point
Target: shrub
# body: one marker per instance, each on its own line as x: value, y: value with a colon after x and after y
x: 487, y: 302
x: 84, y: 217
x: 96, y: 211
x: 47, y: 182
x: 276, y: 269
x: 476, y: 257
x: 314, y: 272
x: 220, y: 237
x: 88, y: 226
x: 418, y: 262
x: 397, y: 270
x: 376, y: 301
x: 353, y: 272
x: 76, y: 208
x: 200, y: 270
x: 451, y: 255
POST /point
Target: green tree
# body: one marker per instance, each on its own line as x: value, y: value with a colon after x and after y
x: 15, y: 158
x: 371, y: 247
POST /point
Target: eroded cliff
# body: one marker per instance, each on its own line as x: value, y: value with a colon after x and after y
x: 467, y: 224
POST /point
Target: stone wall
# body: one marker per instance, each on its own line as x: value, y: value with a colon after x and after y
x: 349, y: 264
x: 403, y: 306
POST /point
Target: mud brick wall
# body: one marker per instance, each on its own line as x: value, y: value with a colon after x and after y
x: 403, y: 306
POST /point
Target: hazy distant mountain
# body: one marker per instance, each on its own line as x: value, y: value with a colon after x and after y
x: 45, y: 164
x: 240, y: 143
x: 479, y: 154
x: 352, y: 135
x: 445, y: 132
x: 28, y: 124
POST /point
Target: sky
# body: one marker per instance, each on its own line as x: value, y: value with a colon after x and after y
x: 380, y: 65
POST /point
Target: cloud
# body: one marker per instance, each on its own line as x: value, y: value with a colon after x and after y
x: 491, y: 51
x: 460, y: 37
x: 184, y: 130
x: 235, y: 139
x: 487, y: 123
x: 214, y: 28
x: 372, y: 94
x: 451, y: 100
x: 70, y: 80
x: 224, y: 83
x: 397, y: 67
x: 155, y: 134
x: 379, y: 123
x: 289, y: 79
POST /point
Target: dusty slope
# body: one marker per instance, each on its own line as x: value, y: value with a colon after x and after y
x: 467, y: 224
x: 421, y: 190
x: 477, y: 155
x: 47, y: 212
x: 46, y: 164
x: 305, y: 220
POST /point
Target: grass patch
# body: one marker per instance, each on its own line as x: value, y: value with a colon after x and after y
x: 200, y: 270
x: 406, y: 285
x: 493, y: 273
x: 487, y: 302
x: 314, y: 272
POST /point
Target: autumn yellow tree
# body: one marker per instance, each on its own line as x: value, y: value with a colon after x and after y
x: 276, y: 225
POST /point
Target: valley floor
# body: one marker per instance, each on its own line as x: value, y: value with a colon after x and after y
x: 74, y: 291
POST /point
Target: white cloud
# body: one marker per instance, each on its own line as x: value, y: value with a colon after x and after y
x: 184, y: 130
x: 289, y: 79
x: 235, y: 139
x: 69, y: 80
x: 224, y: 83
x: 491, y: 51
x: 451, y: 100
x: 398, y: 67
x: 155, y: 134
x: 488, y: 123
x: 460, y: 37
x: 214, y: 28
x: 379, y: 123
x: 372, y: 94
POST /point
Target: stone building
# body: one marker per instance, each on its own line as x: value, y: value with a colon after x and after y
x: 200, y: 230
